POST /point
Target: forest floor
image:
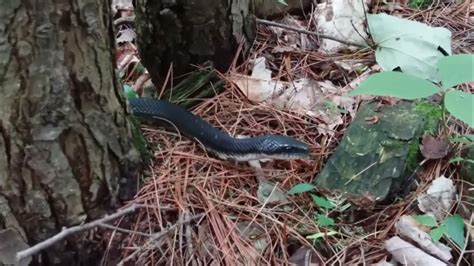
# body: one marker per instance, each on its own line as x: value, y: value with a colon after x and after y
x: 241, y: 223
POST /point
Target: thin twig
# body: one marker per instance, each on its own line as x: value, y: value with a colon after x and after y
x: 123, y: 230
x: 79, y: 228
x: 157, y: 236
x: 283, y: 26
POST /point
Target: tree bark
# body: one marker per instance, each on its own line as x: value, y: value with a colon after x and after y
x: 65, y: 140
x: 181, y: 33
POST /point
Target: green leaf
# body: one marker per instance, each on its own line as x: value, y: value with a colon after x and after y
x: 396, y: 84
x: 455, y: 229
x: 426, y: 220
x: 129, y: 91
x: 324, y: 220
x: 461, y: 105
x: 301, y: 188
x: 322, y: 202
x: 456, y: 69
x: 410, y: 45
x: 321, y: 234
x: 437, y: 233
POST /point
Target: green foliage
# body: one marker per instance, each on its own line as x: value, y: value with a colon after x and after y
x: 408, y: 45
x: 456, y: 69
x: 433, y: 114
x: 396, y: 84
x: 137, y: 136
x: 324, y: 221
x: 460, y: 105
x: 301, y: 188
x: 408, y: 87
x: 322, y: 202
x: 321, y: 234
x: 437, y: 233
x: 455, y: 229
x: 426, y: 220
x: 452, y: 227
x: 129, y: 91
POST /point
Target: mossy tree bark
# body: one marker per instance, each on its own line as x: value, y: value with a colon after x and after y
x: 65, y: 141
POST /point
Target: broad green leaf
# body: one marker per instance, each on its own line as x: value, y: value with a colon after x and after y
x: 322, y: 202
x: 437, y: 233
x: 456, y: 69
x: 426, y: 220
x: 321, y: 234
x: 461, y: 105
x: 324, y: 220
x: 410, y: 45
x: 396, y: 84
x: 301, y: 188
x: 455, y: 229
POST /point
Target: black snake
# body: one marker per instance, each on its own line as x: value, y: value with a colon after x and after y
x: 214, y: 140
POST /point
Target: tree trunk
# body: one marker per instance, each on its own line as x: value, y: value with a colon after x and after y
x: 180, y: 34
x: 65, y: 140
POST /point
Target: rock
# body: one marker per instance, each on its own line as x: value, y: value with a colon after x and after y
x: 378, y: 154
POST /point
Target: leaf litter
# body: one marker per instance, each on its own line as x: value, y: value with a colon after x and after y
x: 292, y: 86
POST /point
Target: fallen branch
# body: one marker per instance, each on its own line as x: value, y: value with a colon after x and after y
x: 79, y: 228
x: 287, y: 27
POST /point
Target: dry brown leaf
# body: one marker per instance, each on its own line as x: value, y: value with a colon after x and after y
x: 408, y: 254
x: 433, y: 148
x: 409, y: 228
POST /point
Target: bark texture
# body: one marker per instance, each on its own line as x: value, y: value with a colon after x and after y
x: 65, y: 144
x: 185, y: 32
x: 179, y: 34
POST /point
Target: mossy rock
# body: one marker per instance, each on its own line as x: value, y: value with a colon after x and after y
x: 380, y: 150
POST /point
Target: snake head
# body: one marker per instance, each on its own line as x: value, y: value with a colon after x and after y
x: 284, y: 148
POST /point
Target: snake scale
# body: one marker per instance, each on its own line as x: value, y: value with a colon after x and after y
x: 218, y: 142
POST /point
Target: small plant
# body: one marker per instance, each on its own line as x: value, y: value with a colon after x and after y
x: 453, y: 70
x: 325, y: 206
x: 451, y: 226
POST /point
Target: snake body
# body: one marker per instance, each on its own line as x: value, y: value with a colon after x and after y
x: 214, y: 140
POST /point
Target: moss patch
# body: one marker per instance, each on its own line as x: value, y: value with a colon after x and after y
x: 138, y: 139
x: 432, y: 114
x: 412, y: 157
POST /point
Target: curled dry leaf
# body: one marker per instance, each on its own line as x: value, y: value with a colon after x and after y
x: 433, y: 148
x: 408, y: 227
x: 323, y: 100
x: 407, y: 254
x: 126, y: 35
x: 439, y: 198
x: 342, y: 19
